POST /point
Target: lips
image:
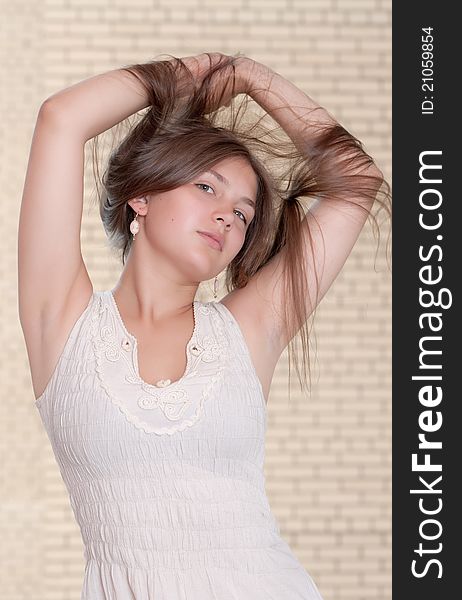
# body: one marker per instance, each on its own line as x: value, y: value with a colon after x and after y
x: 214, y: 236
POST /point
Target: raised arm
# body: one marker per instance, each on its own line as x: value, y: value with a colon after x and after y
x: 54, y: 286
x: 345, y: 182
x: 50, y: 260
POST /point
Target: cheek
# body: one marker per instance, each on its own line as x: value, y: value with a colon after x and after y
x: 173, y: 217
x: 235, y: 242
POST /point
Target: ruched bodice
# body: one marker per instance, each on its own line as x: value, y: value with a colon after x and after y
x: 166, y: 481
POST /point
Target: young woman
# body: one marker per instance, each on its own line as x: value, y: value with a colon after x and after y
x: 154, y: 402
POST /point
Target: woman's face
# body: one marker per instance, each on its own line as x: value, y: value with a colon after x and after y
x: 218, y: 201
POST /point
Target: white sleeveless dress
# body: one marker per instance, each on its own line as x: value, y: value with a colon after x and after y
x: 166, y: 483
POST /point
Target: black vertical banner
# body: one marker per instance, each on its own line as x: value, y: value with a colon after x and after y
x: 427, y: 267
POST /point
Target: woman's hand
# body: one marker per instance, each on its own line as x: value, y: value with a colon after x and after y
x: 247, y: 73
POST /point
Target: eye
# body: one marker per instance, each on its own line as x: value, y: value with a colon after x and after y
x: 206, y: 185
x: 243, y: 216
x: 238, y: 211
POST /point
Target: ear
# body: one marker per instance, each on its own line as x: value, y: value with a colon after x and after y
x: 139, y: 205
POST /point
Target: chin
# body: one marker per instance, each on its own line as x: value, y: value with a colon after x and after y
x: 196, y: 266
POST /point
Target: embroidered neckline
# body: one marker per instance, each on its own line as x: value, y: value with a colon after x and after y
x: 160, y: 410
x: 190, y: 346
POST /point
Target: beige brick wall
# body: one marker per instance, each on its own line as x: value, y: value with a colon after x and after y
x: 328, y: 463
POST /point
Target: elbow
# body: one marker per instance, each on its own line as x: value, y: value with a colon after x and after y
x: 53, y: 106
x: 48, y: 106
x: 54, y: 115
x: 48, y: 111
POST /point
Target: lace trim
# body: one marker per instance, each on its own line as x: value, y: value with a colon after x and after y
x: 182, y: 401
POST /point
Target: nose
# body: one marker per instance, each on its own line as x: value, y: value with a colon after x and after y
x: 227, y: 218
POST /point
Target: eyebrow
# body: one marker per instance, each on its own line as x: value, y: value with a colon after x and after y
x: 222, y: 179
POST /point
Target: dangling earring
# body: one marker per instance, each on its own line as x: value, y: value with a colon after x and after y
x: 134, y: 226
x: 215, y: 288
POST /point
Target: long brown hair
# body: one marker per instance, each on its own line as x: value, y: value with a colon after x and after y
x: 181, y: 135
